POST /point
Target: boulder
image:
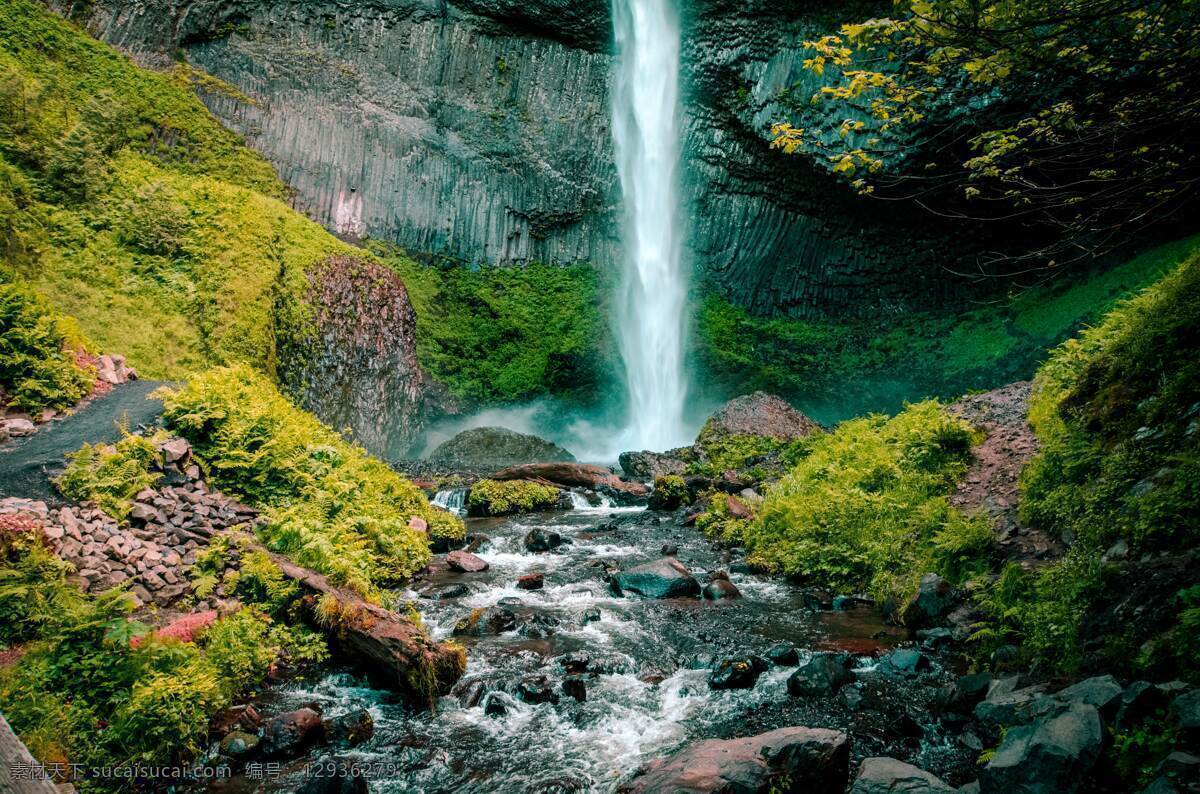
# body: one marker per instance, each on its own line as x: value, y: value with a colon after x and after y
x: 665, y: 578
x: 538, y: 540
x: 466, y: 562
x: 934, y: 600
x: 1186, y: 710
x: 758, y: 414
x: 290, y: 734
x: 19, y: 427
x: 447, y: 593
x: 889, y: 776
x: 809, y: 760
x: 575, y: 475
x: 720, y: 590
x: 905, y: 661
x: 1051, y: 755
x: 739, y: 672
x: 531, y: 581
x: 967, y: 692
x: 350, y: 729
x: 647, y: 465
x: 483, y: 449
x: 1102, y: 691
x: 536, y: 689
x: 822, y: 675
x: 486, y: 622
x: 1014, y: 708
x: 784, y: 654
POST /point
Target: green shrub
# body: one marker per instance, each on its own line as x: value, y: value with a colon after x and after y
x: 329, y: 505
x: 34, y: 593
x: 501, y: 498
x: 670, y: 491
x: 259, y: 581
x: 166, y: 717
x: 36, y: 369
x: 110, y: 476
x: 865, y: 506
x: 719, y: 453
x: 240, y: 648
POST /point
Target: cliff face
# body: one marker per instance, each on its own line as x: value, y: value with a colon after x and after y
x: 479, y: 129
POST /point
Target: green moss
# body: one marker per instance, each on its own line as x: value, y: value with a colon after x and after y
x: 892, y: 359
x: 501, y: 498
x: 670, y: 491
x: 329, y: 505
x: 37, y: 368
x: 865, y: 507
x: 507, y: 334
x: 110, y: 476
x: 129, y: 207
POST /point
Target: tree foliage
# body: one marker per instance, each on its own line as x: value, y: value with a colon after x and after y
x: 1079, y: 115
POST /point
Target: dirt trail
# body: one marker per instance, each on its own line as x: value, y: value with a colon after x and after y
x: 27, y: 464
x: 991, y: 483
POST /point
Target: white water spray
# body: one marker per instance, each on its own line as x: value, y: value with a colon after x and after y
x: 646, y: 137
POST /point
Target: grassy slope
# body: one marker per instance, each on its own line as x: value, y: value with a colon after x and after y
x: 914, y: 356
x: 129, y: 207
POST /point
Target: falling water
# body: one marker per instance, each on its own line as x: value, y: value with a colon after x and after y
x: 646, y: 136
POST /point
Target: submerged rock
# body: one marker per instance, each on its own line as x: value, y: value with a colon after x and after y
x: 333, y: 776
x: 721, y: 590
x: 784, y: 654
x: 809, y: 760
x: 484, y: 622
x: 539, y: 540
x: 531, y: 581
x: 484, y: 449
x: 889, y: 776
x: 536, y: 689
x: 350, y: 729
x: 665, y: 578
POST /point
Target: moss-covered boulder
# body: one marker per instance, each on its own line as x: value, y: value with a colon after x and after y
x: 487, y: 449
x: 495, y: 498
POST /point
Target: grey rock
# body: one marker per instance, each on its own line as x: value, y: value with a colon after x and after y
x: 822, y: 675
x: 1103, y: 692
x: 889, y: 776
x: 934, y: 600
x: 487, y: 449
x: 665, y: 578
x: 1053, y: 754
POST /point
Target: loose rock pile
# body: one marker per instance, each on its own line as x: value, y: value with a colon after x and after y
x: 153, y: 551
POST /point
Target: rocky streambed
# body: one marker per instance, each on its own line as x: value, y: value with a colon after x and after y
x: 573, y: 687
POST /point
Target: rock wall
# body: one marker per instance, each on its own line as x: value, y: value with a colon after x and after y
x: 349, y: 356
x: 479, y: 130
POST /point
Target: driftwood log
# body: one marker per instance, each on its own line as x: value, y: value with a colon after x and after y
x: 577, y: 475
x: 389, y: 647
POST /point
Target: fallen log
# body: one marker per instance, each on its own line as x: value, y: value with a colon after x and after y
x: 20, y: 773
x: 387, y: 645
x: 579, y: 475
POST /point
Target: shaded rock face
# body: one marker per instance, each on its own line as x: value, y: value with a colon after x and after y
x: 479, y: 129
x: 889, y: 776
x: 353, y: 363
x: 484, y: 449
x: 811, y: 760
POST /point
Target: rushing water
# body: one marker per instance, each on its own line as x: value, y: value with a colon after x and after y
x: 646, y: 137
x: 647, y: 691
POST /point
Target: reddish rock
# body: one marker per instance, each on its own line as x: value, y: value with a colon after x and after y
x: 808, y: 760
x: 185, y: 629
x: 175, y: 450
x: 531, y: 581
x: 737, y: 508
x: 759, y: 414
x: 288, y: 735
x: 419, y: 524
x: 466, y: 562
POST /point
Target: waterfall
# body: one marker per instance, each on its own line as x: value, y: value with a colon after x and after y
x: 451, y: 500
x: 646, y: 138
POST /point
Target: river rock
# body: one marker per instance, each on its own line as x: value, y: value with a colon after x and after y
x: 288, y: 735
x: 905, y: 661
x: 1051, y: 755
x: 484, y: 449
x: 448, y: 593
x: 539, y: 540
x: 1014, y: 708
x: 784, y: 654
x: 536, y: 689
x: 822, y: 675
x: 484, y: 622
x: 531, y: 581
x: 665, y: 578
x: 758, y: 414
x: 966, y: 692
x: 576, y: 475
x: 808, y: 760
x: 575, y: 686
x: 889, y: 776
x: 239, y: 744
x: 647, y: 465
x: 466, y: 562
x: 721, y: 590
x: 934, y: 600
x: 350, y: 729
x: 739, y: 672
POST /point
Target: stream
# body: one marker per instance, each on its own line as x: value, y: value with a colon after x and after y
x: 647, y: 667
